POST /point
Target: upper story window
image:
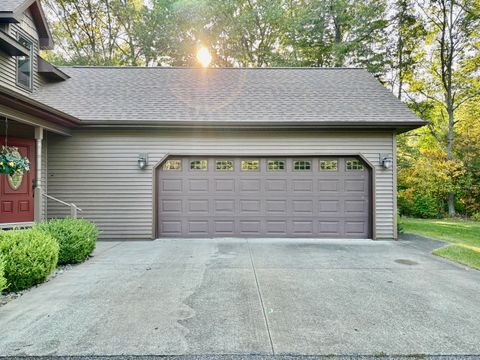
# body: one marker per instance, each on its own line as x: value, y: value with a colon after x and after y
x: 25, y: 65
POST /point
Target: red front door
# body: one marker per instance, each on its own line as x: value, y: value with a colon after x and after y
x: 16, y: 196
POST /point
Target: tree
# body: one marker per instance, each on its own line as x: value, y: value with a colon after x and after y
x: 447, y: 77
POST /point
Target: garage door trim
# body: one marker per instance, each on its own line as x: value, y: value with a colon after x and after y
x: 372, y: 206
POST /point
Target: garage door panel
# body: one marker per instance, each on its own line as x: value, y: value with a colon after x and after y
x: 250, y: 207
x: 249, y: 227
x: 302, y: 186
x: 329, y: 207
x: 198, y: 185
x: 330, y: 228
x: 302, y: 207
x: 332, y: 186
x: 250, y: 185
x: 275, y: 185
x: 198, y: 206
x: 276, y: 207
x: 288, y: 202
x: 224, y: 207
x: 225, y: 185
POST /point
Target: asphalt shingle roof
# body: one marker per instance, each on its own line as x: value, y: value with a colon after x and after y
x: 163, y: 95
x: 10, y: 5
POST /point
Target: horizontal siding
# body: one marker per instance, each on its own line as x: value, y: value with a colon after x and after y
x: 8, y: 64
x: 97, y: 169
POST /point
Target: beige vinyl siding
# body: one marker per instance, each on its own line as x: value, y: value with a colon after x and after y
x: 8, y: 64
x: 97, y: 169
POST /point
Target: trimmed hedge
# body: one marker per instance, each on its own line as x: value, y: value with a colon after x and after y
x: 3, y: 281
x: 29, y: 257
x: 76, y: 238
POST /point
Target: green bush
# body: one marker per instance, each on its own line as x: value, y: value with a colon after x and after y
x: 3, y: 281
x: 425, y: 207
x: 76, y: 238
x: 29, y: 257
x: 400, y: 225
x: 475, y: 217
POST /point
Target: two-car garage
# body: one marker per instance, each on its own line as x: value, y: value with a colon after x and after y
x: 205, y: 196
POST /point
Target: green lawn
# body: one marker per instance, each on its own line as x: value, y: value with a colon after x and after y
x: 464, y: 236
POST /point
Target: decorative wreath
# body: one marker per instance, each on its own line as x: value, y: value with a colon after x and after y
x: 11, y: 162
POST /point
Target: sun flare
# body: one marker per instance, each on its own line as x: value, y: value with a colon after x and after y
x: 204, y: 57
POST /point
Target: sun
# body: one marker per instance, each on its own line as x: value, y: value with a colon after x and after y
x: 204, y: 57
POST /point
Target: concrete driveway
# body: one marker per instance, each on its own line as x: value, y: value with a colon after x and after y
x: 233, y: 296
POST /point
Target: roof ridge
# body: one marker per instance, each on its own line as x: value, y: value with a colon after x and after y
x: 210, y: 68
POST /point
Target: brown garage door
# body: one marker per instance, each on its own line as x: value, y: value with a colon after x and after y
x: 263, y: 197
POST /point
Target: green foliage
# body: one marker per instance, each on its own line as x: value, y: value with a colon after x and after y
x: 3, y: 281
x: 400, y: 227
x: 11, y: 162
x: 76, y: 238
x: 29, y: 257
x: 475, y: 216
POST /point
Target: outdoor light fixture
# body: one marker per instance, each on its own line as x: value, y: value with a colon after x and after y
x: 386, y: 160
x: 142, y: 161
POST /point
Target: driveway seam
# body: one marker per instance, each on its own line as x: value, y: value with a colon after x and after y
x: 261, y: 298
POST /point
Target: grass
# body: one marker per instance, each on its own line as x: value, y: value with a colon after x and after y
x: 462, y: 234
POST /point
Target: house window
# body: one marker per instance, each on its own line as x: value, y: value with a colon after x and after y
x: 302, y: 165
x: 224, y: 165
x: 198, y: 165
x: 275, y: 165
x: 173, y: 165
x: 250, y: 165
x: 25, y: 65
x: 354, y: 165
x: 328, y: 165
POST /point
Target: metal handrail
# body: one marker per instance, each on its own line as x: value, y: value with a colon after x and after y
x: 74, y: 209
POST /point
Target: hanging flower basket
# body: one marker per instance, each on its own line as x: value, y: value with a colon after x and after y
x: 11, y: 162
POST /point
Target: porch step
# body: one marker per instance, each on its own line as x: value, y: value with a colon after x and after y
x: 17, y: 225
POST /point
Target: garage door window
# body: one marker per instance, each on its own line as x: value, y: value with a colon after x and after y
x: 199, y: 165
x: 302, y: 165
x: 328, y: 165
x: 224, y: 165
x: 175, y: 165
x: 276, y: 165
x: 354, y: 165
x: 250, y: 165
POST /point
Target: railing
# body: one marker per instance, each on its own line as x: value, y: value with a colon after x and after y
x: 74, y: 209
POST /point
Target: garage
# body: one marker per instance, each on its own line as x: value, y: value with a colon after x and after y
x: 324, y: 197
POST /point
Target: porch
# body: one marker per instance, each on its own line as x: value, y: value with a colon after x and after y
x: 23, y: 198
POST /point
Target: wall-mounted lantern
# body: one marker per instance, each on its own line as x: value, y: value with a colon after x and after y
x: 142, y: 161
x: 386, y: 160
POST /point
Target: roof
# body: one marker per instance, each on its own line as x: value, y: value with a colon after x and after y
x: 139, y: 95
x: 10, y: 5
x: 12, y: 11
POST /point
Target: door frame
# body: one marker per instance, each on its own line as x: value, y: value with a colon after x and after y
x: 372, y: 176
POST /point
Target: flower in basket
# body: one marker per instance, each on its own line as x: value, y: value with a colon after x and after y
x: 11, y: 162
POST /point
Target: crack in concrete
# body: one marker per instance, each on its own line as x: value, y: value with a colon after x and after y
x: 261, y: 298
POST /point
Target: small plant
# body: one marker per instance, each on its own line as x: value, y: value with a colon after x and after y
x: 400, y: 225
x: 29, y: 257
x: 11, y: 162
x: 76, y: 238
x: 475, y: 216
x: 3, y: 281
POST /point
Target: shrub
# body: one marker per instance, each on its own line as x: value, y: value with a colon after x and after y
x: 476, y: 216
x: 76, y: 238
x: 29, y: 257
x: 400, y: 226
x: 425, y: 206
x: 3, y: 281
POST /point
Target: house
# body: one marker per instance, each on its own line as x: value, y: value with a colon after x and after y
x: 193, y: 152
